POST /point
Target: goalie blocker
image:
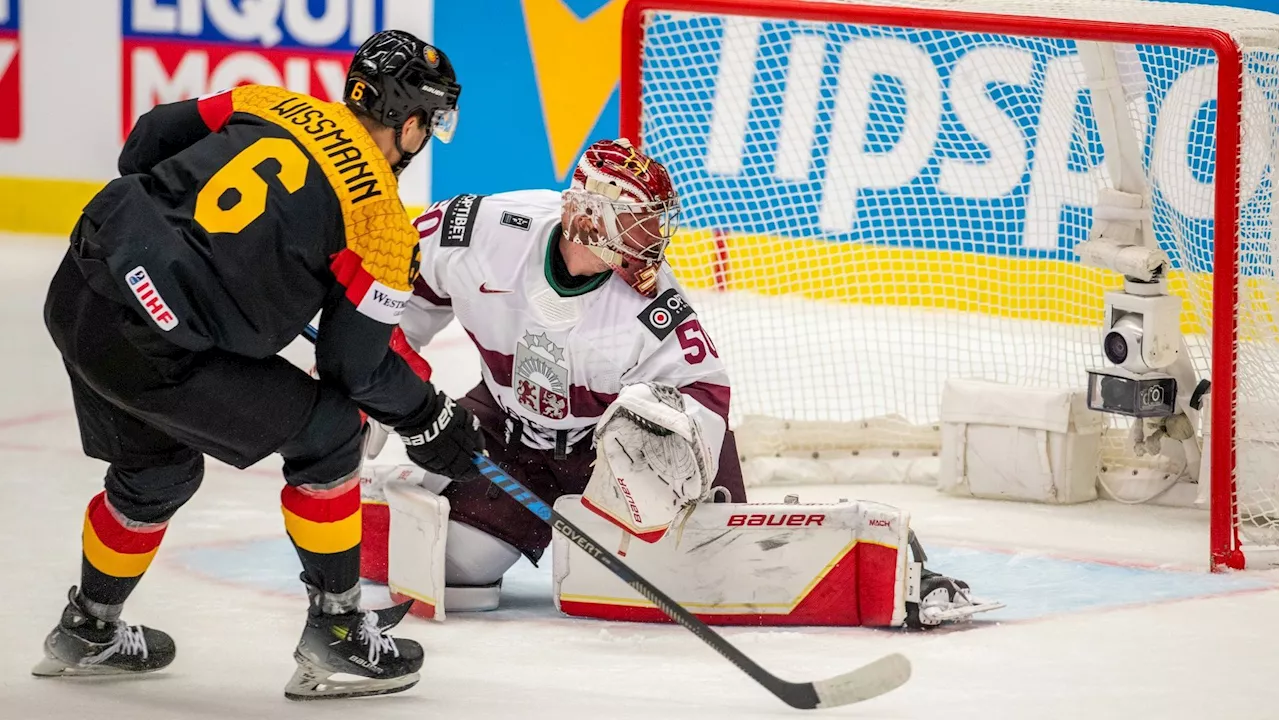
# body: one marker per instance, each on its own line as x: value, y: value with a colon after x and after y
x: 847, y: 563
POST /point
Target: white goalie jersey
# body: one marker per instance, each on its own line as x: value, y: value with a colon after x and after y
x: 555, y: 358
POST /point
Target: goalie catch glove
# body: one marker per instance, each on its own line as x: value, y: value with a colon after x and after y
x: 443, y: 437
x: 651, y: 461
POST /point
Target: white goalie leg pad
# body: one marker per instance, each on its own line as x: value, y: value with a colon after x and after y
x: 750, y: 564
x: 416, y: 547
x: 375, y: 516
x: 442, y: 565
x: 651, y: 461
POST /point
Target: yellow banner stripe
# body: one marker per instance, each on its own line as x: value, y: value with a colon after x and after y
x: 1056, y: 291
x: 40, y: 205
x: 51, y: 207
x: 110, y: 562
x: 323, y: 538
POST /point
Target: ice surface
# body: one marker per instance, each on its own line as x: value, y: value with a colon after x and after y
x: 1109, y: 613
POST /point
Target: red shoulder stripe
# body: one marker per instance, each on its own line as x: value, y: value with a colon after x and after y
x: 348, y: 268
x: 216, y: 109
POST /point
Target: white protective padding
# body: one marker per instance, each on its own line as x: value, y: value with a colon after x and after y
x: 416, y: 547
x: 1013, y: 443
x: 747, y: 564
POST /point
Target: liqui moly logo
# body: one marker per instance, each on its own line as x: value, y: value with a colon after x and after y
x: 179, y: 49
x: 10, y: 72
x: 147, y: 294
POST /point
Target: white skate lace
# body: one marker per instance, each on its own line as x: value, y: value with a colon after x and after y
x: 378, y: 641
x: 128, y: 640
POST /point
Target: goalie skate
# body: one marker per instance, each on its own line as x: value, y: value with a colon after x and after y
x: 350, y: 655
x: 938, y: 615
x: 944, y: 600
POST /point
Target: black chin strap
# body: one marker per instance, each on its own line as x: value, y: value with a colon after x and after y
x: 405, y: 156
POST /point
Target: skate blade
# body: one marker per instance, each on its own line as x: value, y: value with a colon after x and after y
x: 938, y: 615
x: 53, y: 667
x: 312, y: 683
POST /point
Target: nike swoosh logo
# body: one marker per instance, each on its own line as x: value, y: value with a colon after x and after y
x: 484, y: 288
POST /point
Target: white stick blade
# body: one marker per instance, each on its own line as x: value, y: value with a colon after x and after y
x: 868, y: 681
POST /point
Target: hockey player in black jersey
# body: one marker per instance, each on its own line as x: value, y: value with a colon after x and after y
x: 238, y: 217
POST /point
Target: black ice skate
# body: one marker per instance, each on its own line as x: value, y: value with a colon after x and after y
x: 354, y: 645
x: 82, y: 645
x: 944, y: 600
x: 934, y: 598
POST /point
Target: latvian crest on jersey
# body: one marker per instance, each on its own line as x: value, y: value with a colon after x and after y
x: 541, y: 376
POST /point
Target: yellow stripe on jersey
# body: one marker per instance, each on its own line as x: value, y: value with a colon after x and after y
x: 378, y: 228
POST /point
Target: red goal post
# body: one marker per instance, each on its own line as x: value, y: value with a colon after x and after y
x: 1101, y: 23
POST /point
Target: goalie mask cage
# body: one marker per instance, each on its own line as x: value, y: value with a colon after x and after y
x: 878, y: 198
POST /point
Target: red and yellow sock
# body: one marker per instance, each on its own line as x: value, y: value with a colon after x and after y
x: 117, y: 552
x: 325, y: 528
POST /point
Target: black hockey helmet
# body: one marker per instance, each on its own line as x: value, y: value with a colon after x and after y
x: 393, y: 76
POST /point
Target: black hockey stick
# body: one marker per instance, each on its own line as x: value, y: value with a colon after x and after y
x: 866, y: 682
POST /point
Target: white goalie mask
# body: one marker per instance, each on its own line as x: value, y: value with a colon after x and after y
x: 623, y: 206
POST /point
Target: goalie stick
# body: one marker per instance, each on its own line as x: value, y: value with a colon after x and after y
x: 868, y: 681
x: 871, y: 680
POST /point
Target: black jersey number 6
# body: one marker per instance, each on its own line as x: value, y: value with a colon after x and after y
x: 236, y: 195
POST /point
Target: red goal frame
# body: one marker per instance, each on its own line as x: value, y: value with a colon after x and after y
x: 1224, y: 538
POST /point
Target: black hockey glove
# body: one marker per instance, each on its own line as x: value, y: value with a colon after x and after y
x: 443, y: 438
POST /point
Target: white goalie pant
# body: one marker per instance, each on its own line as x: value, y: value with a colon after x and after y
x: 843, y: 563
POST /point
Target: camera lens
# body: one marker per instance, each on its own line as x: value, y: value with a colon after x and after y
x: 1115, y: 347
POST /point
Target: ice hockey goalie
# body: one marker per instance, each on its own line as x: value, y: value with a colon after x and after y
x: 602, y: 392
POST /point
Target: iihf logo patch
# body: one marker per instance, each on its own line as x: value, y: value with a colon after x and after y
x: 664, y: 313
x: 149, y: 297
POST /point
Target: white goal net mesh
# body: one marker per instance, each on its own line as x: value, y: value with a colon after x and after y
x: 871, y: 209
